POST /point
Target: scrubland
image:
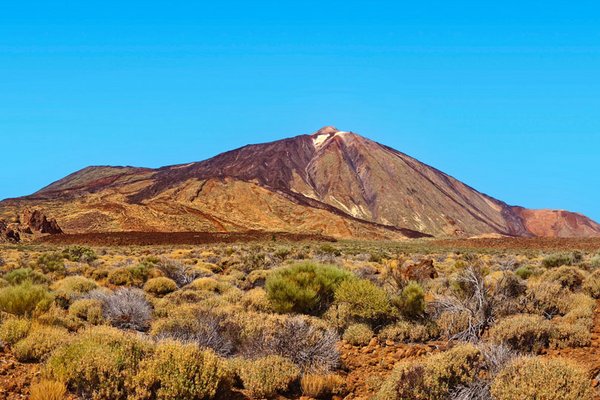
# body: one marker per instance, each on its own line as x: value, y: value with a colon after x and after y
x: 265, y: 320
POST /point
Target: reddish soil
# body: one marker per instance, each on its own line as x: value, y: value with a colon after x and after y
x: 15, y: 377
x: 585, y: 244
x: 368, y: 366
x: 167, y: 238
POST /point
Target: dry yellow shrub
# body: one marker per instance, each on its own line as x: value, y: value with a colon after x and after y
x: 48, y: 390
x: 537, y: 378
x: 317, y: 386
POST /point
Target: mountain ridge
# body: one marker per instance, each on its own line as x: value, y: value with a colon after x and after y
x: 331, y: 182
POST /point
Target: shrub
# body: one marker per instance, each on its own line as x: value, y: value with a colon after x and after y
x: 560, y: 259
x: 581, y: 311
x: 204, y: 327
x: 79, y: 254
x: 570, y: 335
x: 99, y: 363
x: 14, y: 329
x: 120, y: 277
x: 127, y: 308
x: 160, y: 286
x: 365, y: 300
x: 595, y: 262
x: 524, y: 332
x: 318, y: 386
x: 412, y: 300
x: 179, y: 371
x: 591, y: 285
x: 267, y: 376
x: 39, y: 343
x: 89, y: 310
x: 434, y: 377
x: 24, y: 299
x: 256, y: 300
x: 182, y: 274
x: 304, y: 288
x: 51, y: 262
x: 72, y: 287
x: 524, y: 272
x: 209, y: 285
x: 48, y: 390
x: 140, y: 274
x: 358, y: 334
x: 312, y: 348
x: 547, y: 299
x: 569, y: 278
x: 22, y: 275
x: 329, y: 250
x: 405, y: 331
x: 537, y: 378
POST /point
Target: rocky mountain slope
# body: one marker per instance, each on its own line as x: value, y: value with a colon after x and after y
x: 331, y: 182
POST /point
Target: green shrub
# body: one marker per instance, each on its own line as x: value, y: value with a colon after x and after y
x: 51, y: 262
x: 433, y: 378
x: 358, y: 334
x: 24, y: 299
x: 120, y: 277
x: 160, y: 286
x: 99, y: 363
x: 304, y: 288
x: 412, y: 300
x: 537, y: 378
x: 524, y: 272
x: 70, y: 288
x: 90, y: 310
x: 529, y: 333
x: 140, y: 274
x: 366, y: 301
x: 569, y: 278
x: 14, y: 329
x: 329, y: 250
x: 595, y: 262
x: 40, y: 342
x: 265, y: 377
x: 560, y: 259
x: 22, y: 275
x: 79, y: 254
x: 180, y: 371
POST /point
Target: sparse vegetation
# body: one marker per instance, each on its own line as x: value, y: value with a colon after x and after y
x: 252, y: 321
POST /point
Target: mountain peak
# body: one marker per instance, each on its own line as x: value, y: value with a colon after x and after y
x: 326, y: 130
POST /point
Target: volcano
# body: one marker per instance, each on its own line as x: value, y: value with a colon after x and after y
x: 331, y: 182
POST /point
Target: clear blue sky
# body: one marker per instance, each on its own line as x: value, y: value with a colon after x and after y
x: 502, y: 95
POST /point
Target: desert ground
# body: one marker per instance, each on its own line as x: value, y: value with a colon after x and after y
x: 299, y: 317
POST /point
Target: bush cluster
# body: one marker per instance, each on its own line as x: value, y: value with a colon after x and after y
x: 306, y: 288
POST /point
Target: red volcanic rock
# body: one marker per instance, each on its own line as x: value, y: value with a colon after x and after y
x: 36, y: 221
x: 558, y: 223
x: 8, y: 234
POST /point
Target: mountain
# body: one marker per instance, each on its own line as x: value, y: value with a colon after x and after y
x: 331, y: 182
